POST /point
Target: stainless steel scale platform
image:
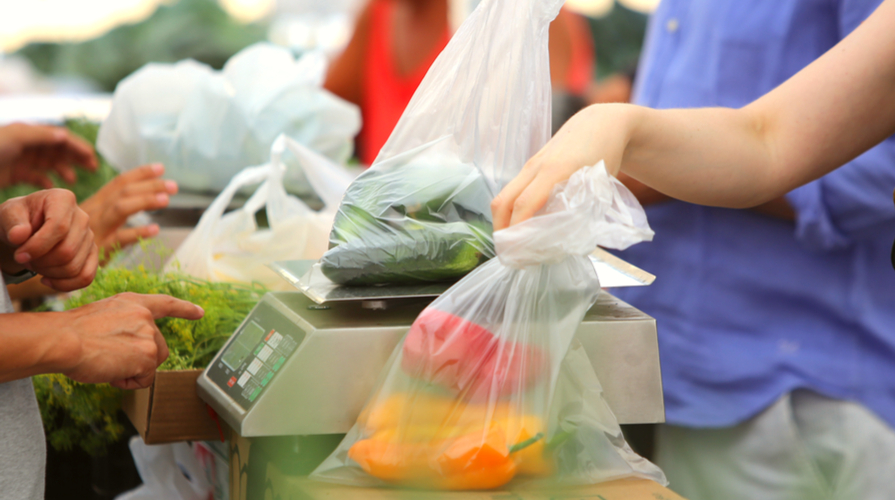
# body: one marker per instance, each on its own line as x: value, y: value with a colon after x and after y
x: 304, y: 363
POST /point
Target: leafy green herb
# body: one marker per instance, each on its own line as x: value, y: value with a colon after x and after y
x: 87, y: 415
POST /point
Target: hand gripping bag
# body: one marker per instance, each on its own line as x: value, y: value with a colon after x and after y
x: 231, y: 247
x: 490, y: 386
x: 422, y: 213
x: 207, y: 125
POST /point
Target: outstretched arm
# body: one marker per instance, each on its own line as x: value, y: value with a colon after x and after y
x: 824, y: 116
x: 114, y: 340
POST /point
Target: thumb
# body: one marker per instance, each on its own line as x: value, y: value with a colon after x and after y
x: 15, y: 222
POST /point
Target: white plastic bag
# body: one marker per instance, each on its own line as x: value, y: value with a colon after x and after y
x: 489, y: 385
x: 168, y: 471
x: 230, y: 247
x: 205, y: 125
x: 422, y: 211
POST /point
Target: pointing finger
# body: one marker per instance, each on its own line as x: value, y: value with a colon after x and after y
x: 162, y: 306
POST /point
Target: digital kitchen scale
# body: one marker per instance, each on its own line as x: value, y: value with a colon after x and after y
x: 304, y: 363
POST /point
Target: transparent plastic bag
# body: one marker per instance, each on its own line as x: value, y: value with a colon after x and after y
x: 422, y: 211
x: 489, y: 385
x: 231, y: 247
x: 207, y: 125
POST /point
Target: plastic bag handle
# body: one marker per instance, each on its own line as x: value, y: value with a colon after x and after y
x: 247, y: 177
x: 328, y: 179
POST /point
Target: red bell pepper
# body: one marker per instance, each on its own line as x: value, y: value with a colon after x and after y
x: 463, y: 356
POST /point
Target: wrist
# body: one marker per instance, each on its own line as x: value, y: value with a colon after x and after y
x: 64, y: 350
x: 613, y: 127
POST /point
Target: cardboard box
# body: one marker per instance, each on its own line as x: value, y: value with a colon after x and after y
x: 169, y: 410
x: 277, y: 484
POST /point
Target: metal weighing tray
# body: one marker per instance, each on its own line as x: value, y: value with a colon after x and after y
x: 306, y: 276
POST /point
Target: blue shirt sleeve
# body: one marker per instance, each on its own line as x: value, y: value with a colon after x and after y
x: 834, y: 211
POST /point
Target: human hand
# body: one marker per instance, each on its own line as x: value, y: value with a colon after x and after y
x: 131, y: 192
x: 595, y: 133
x: 47, y: 233
x: 117, y: 340
x: 29, y: 152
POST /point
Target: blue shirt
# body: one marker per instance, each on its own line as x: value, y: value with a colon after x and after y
x: 750, y: 307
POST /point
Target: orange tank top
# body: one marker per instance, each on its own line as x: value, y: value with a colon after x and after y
x: 385, y: 92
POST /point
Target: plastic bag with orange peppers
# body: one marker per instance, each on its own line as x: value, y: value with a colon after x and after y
x: 490, y: 386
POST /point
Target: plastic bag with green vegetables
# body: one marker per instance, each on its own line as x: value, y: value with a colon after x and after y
x: 418, y: 217
x: 421, y: 213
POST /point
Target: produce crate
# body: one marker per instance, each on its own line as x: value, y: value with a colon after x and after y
x: 169, y: 410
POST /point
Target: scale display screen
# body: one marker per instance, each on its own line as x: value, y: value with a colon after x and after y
x: 242, y: 345
x: 255, y: 354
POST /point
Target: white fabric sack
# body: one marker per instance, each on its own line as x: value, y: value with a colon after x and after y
x: 230, y: 247
x: 206, y: 125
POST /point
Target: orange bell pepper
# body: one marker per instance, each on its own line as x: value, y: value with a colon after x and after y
x: 437, y: 442
x: 472, y: 461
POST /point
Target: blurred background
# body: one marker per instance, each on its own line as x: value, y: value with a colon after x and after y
x: 77, y: 51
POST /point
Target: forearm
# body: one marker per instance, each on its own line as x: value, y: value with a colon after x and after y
x: 711, y: 156
x: 826, y: 115
x: 34, y: 343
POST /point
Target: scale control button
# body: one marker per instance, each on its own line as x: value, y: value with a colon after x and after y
x: 243, y: 379
x: 279, y: 363
x: 265, y: 353
x: 258, y: 349
x: 254, y: 366
x: 274, y: 340
x: 266, y: 379
x: 254, y: 394
x: 231, y: 382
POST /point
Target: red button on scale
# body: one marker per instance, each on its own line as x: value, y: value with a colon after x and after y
x: 269, y: 335
x: 231, y: 381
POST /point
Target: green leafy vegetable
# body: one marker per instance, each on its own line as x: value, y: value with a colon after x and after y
x: 87, y: 415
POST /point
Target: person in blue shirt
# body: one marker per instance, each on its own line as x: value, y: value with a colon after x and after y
x: 777, y: 337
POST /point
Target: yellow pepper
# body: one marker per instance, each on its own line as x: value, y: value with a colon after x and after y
x: 472, y: 461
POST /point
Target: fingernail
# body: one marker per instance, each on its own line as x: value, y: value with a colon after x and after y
x: 60, y: 134
x: 162, y: 198
x: 171, y: 186
x: 201, y: 310
x: 23, y: 257
x: 158, y: 168
x: 152, y: 229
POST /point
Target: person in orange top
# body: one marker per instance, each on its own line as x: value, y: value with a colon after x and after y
x: 396, y: 41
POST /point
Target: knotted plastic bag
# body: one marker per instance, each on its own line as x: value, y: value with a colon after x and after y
x: 490, y: 385
x: 208, y: 125
x: 422, y: 213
